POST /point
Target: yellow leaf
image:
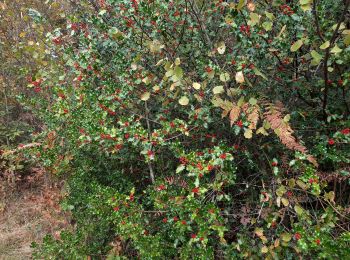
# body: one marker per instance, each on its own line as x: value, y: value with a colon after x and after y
x: 286, y: 118
x: 196, y: 85
x: 299, y: 210
x: 248, y: 134
x: 330, y: 196
x: 239, y: 77
x: 177, y: 61
x: 254, y: 19
x: 325, y: 45
x: 145, y: 96
x: 282, y: 31
x: 259, y: 232
x: 183, y: 101
x: 301, y: 184
x: 240, y: 4
x: 269, y: 15
x: 296, y: 46
x: 224, y: 77
x: 347, y: 40
x: 336, y: 49
x: 285, y: 202
x: 264, y: 250
x: 160, y: 62
x: 267, y: 26
x: 286, y: 237
x: 262, y: 131
x: 221, y: 48
x: 156, y: 88
x: 218, y: 90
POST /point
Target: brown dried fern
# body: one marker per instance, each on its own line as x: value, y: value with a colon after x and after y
x: 274, y: 115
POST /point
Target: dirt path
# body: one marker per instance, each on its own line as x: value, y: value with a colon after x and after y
x: 27, y: 214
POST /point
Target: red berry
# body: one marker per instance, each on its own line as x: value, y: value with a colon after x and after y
x: 297, y: 236
x: 331, y: 141
x: 195, y: 190
x: 239, y: 123
x: 345, y: 131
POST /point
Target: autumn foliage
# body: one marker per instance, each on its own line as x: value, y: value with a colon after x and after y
x: 198, y: 129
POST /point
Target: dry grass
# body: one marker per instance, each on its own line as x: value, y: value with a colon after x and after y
x: 28, y: 212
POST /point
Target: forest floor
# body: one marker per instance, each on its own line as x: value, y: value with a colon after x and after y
x: 28, y: 211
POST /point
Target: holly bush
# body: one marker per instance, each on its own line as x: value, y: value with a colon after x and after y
x: 195, y: 129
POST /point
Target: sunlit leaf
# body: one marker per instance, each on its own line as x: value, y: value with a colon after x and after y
x: 239, y: 77
x: 183, y: 101
x: 224, y: 77
x: 221, y: 48
x: 325, y: 45
x: 218, y: 90
x: 296, y: 46
x: 145, y: 96
x: 196, y: 85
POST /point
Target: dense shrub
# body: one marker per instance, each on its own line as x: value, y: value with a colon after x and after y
x: 200, y: 129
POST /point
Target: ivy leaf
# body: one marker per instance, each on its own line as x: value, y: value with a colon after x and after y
x: 296, y: 46
x: 183, y: 101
